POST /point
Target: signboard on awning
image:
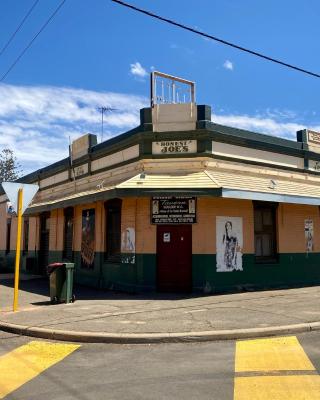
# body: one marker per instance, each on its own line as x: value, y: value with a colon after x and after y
x: 173, y: 210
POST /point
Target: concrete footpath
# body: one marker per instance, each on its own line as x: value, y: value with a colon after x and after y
x: 103, y: 316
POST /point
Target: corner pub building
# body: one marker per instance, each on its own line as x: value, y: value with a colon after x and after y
x: 179, y: 203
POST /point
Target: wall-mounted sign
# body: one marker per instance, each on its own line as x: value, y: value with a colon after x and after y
x: 314, y: 165
x: 314, y: 137
x: 174, y: 147
x: 173, y: 210
x: 166, y: 237
x: 80, y: 170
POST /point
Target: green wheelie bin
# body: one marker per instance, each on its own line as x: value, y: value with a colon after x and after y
x: 61, y: 282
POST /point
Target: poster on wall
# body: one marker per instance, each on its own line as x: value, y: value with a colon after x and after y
x: 88, y: 238
x: 128, y: 246
x: 10, y: 210
x: 229, y: 242
x: 308, y: 234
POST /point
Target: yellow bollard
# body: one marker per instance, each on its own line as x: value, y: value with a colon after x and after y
x: 18, y: 247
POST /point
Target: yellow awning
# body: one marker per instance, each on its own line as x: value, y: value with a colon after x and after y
x: 299, y: 188
x: 215, y: 182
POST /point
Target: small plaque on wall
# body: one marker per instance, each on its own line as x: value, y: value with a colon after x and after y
x: 173, y: 210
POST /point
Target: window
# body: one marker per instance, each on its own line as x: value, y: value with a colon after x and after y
x: 25, y: 235
x: 265, y: 236
x: 68, y: 234
x: 8, y: 235
x: 113, y: 229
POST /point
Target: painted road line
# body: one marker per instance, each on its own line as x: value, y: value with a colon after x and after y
x: 274, y: 369
x: 276, y: 354
x: 28, y: 361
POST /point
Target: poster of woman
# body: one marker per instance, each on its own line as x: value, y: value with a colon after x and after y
x: 229, y: 242
x: 88, y: 238
x: 308, y: 233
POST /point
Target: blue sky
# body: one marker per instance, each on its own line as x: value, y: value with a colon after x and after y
x: 98, y: 53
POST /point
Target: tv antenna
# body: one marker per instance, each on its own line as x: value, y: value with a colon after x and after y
x: 103, y: 110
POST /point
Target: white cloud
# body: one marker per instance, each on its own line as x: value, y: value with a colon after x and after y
x: 228, y: 65
x: 36, y: 121
x: 137, y: 70
x: 261, y: 124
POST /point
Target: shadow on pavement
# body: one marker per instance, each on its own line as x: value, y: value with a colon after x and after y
x: 40, y: 286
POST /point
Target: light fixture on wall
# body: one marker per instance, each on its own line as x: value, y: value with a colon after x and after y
x: 272, y: 184
x: 100, y: 185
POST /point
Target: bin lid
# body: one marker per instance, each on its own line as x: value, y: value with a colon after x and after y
x: 53, y: 266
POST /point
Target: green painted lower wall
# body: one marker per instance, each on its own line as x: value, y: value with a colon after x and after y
x: 291, y: 270
x: 132, y: 277
x: 139, y: 274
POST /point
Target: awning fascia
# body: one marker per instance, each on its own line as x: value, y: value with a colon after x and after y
x: 273, y: 197
x: 120, y: 193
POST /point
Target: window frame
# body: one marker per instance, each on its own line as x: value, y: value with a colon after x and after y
x: 112, y: 253
x: 274, y: 257
x: 8, y: 235
x: 68, y: 214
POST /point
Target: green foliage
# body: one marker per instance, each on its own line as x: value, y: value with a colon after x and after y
x: 10, y: 169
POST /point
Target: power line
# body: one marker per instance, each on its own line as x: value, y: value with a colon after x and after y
x: 32, y: 40
x: 188, y: 28
x: 18, y: 28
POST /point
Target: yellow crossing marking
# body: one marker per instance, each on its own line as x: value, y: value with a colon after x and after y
x: 296, y: 387
x: 26, y: 362
x: 275, y: 357
x: 276, y: 354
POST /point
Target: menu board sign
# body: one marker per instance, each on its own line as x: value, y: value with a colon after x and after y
x: 173, y: 210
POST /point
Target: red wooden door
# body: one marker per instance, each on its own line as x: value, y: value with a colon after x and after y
x: 174, y: 258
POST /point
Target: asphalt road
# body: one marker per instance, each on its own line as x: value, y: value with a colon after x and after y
x: 162, y: 371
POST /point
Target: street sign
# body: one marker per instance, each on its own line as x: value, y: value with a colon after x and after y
x: 12, y: 188
x: 20, y: 196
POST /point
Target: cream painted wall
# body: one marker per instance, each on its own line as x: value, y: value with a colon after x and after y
x: 240, y: 152
x: 204, y: 231
x: 146, y: 233
x: 291, y: 235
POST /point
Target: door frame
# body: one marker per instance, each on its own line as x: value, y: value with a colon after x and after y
x: 189, y: 272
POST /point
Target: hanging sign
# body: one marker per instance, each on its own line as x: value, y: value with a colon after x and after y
x: 173, y: 210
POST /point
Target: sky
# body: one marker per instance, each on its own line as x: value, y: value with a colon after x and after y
x: 97, y: 53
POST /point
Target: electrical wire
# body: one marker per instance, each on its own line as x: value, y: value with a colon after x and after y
x: 31, y: 41
x: 206, y: 35
x: 18, y: 28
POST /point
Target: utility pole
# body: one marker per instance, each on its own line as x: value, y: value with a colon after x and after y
x: 103, y: 110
